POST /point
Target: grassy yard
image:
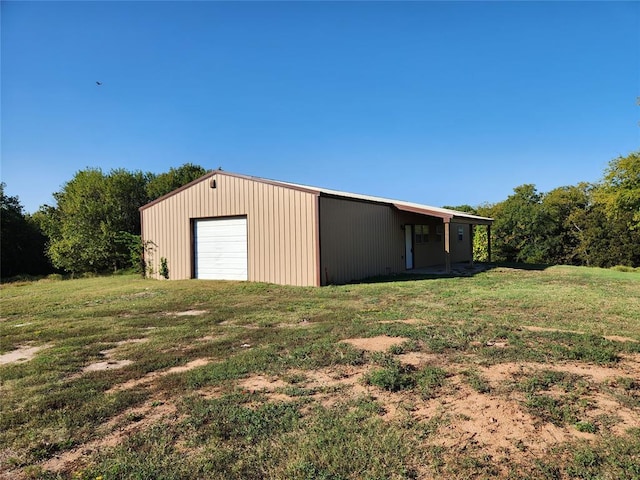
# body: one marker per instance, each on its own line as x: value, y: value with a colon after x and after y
x: 511, y: 373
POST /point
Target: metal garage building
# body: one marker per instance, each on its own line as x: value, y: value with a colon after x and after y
x: 227, y: 226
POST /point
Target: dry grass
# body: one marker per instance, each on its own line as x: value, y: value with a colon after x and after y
x: 508, y: 374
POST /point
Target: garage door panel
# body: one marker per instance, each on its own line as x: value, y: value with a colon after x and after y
x: 222, y: 276
x: 221, y: 248
x: 222, y: 251
x: 222, y: 233
x: 220, y: 263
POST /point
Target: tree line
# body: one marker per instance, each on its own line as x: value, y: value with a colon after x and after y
x: 94, y: 225
x: 592, y: 224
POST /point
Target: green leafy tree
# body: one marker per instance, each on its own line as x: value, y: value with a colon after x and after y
x: 564, y: 207
x: 480, y: 244
x: 95, y: 225
x: 603, y: 242
x: 463, y: 208
x: 22, y: 243
x: 609, y: 226
x: 481, y: 233
x: 619, y: 192
x: 175, y: 178
x: 94, y: 212
x: 522, y: 227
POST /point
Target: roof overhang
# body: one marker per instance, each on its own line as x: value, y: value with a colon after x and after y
x: 445, y: 214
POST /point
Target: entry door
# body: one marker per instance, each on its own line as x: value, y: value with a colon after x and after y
x: 221, y: 248
x: 408, y: 246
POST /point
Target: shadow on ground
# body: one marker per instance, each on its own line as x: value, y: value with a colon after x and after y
x: 457, y: 270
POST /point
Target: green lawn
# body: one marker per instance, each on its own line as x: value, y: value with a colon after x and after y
x: 506, y: 374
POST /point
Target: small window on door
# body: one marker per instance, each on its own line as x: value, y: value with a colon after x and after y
x: 460, y: 234
x: 439, y: 233
x: 422, y: 234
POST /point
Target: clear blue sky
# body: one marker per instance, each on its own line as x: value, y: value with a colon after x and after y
x: 432, y: 102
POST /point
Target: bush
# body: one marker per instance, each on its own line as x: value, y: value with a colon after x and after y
x: 393, y: 378
x: 164, y: 268
x: 625, y: 268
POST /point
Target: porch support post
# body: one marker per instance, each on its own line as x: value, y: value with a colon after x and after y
x: 471, y: 231
x: 489, y: 242
x: 447, y: 246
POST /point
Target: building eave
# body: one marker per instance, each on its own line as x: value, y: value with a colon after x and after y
x: 445, y: 214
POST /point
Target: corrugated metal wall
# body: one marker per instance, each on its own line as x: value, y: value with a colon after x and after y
x: 460, y: 249
x: 281, y: 228
x: 358, y: 240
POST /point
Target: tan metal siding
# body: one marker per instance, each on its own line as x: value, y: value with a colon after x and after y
x: 359, y: 240
x: 460, y: 250
x: 432, y: 252
x: 281, y: 228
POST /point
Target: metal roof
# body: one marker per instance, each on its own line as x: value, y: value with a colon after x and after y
x: 444, y: 213
x: 438, y: 212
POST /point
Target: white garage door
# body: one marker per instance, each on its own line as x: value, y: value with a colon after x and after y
x: 221, y: 249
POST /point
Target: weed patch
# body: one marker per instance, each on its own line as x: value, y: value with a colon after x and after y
x: 338, y: 444
x: 549, y: 409
x: 231, y: 418
x: 476, y: 381
x: 392, y: 378
x: 429, y: 379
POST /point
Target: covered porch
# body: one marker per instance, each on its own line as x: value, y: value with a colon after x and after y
x: 439, y: 240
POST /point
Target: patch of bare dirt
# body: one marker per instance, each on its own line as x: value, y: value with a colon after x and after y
x: 132, y: 340
x: 207, y: 338
x: 606, y: 407
x: 337, y: 384
x: 106, y: 365
x: 109, y: 363
x: 260, y: 383
x: 408, y: 321
x: 497, y: 423
x: 533, y: 328
x: 326, y: 382
x: 497, y: 374
x: 631, y: 362
x: 187, y: 313
x: 122, y: 426
x: 209, y: 393
x: 497, y: 343
x: 380, y: 343
x: 617, y: 338
x: 595, y: 373
x: 420, y: 359
x: 458, y: 417
x: 114, y: 432
x: 613, y: 338
x: 21, y: 354
x: 151, y: 377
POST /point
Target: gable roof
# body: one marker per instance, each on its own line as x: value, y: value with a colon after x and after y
x: 444, y: 213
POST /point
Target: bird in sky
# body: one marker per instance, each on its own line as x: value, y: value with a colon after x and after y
x: 98, y: 83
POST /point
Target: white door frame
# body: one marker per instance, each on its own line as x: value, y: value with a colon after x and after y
x: 227, y: 254
x: 408, y: 246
